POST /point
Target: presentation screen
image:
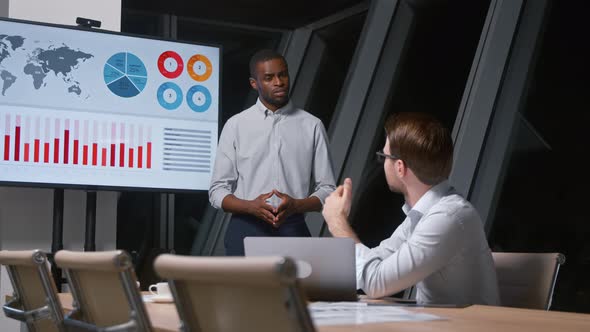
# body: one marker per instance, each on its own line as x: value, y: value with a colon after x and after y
x: 92, y: 109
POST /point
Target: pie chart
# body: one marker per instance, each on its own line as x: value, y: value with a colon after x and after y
x: 125, y: 75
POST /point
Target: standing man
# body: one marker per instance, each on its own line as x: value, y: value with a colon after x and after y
x: 441, y: 246
x: 272, y: 162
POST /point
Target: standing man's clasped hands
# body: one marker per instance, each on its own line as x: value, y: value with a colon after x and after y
x: 274, y: 216
x: 288, y: 206
x: 260, y: 208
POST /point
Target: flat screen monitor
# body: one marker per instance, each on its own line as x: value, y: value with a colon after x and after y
x: 95, y: 109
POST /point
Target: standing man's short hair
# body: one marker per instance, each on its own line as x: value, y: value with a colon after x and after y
x: 423, y: 143
x: 263, y: 56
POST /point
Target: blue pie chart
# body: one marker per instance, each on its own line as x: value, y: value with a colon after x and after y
x: 125, y: 75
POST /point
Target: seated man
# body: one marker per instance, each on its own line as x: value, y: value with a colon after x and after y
x: 441, y: 246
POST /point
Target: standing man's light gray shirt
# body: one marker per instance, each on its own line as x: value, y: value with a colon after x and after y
x: 260, y: 151
x: 440, y: 247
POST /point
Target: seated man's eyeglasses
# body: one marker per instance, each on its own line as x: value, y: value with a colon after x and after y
x: 382, y: 156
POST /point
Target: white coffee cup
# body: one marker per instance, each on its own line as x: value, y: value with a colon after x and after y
x: 161, y: 289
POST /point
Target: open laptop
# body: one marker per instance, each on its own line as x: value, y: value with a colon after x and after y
x: 325, y: 266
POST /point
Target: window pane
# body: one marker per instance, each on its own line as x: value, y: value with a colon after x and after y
x: 339, y: 42
x: 141, y: 23
x: 541, y: 203
x: 434, y: 75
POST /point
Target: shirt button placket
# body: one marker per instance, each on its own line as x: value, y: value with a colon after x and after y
x: 275, y: 145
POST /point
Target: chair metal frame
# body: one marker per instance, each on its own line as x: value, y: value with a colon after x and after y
x: 52, y: 310
x: 560, y: 261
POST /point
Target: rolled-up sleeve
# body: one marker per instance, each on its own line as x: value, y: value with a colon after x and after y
x: 323, y: 173
x: 225, y: 174
x: 364, y: 255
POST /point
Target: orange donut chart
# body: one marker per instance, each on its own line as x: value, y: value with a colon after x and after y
x: 191, y: 70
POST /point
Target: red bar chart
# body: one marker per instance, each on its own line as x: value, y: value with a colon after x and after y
x: 76, y: 142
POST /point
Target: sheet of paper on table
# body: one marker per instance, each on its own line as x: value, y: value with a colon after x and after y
x: 349, y: 313
x: 157, y: 298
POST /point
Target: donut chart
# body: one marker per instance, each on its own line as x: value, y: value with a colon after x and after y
x: 170, y: 64
x: 198, y: 98
x: 169, y: 95
x: 125, y: 75
x: 199, y: 67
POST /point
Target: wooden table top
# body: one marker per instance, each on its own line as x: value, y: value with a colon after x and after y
x: 478, y: 318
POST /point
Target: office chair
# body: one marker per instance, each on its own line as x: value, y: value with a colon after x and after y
x: 104, y: 291
x: 247, y: 294
x: 35, y: 301
x: 527, y: 280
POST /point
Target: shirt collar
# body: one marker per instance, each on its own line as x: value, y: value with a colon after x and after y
x: 266, y: 112
x: 427, y: 200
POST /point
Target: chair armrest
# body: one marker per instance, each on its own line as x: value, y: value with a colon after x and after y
x: 79, y: 325
x: 12, y: 310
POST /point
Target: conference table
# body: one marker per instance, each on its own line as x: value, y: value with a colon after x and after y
x: 478, y: 318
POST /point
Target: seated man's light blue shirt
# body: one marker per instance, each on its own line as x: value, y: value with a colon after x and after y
x: 440, y: 247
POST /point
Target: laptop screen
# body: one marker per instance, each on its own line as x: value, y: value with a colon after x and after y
x: 325, y: 266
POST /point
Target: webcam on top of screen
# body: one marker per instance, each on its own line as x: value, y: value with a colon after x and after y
x: 87, y: 22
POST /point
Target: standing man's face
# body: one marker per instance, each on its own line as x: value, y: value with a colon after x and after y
x: 272, y: 83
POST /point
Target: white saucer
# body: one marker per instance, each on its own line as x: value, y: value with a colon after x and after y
x: 158, y: 298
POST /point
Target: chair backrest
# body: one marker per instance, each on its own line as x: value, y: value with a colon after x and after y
x: 526, y: 280
x: 248, y: 294
x: 104, y: 290
x: 35, y: 299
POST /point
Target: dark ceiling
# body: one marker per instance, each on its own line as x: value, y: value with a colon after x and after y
x: 264, y: 13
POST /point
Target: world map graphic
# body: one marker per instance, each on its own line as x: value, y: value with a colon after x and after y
x: 37, y: 62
